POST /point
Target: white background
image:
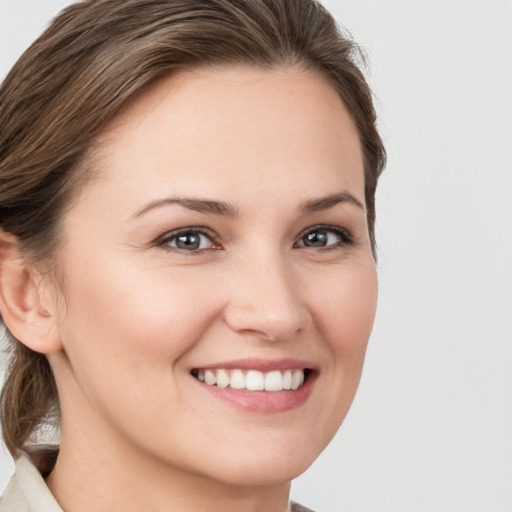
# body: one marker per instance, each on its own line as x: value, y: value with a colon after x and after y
x: 431, y: 428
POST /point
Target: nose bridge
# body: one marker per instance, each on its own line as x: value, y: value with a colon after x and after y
x: 265, y: 297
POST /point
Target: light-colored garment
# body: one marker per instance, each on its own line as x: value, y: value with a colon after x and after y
x: 28, y: 492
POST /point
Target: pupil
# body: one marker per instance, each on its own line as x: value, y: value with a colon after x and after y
x: 188, y: 241
x: 316, y: 239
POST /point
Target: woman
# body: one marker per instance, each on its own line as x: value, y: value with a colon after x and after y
x: 187, y: 253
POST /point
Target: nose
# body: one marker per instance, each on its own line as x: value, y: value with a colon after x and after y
x: 266, y: 301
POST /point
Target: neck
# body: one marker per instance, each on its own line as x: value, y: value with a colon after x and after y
x: 108, y: 476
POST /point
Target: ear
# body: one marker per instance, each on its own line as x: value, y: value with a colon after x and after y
x: 25, y: 307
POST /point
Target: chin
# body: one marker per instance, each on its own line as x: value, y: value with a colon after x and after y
x: 272, y: 467
x: 258, y: 474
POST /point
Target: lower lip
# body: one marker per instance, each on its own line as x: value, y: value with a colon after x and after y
x: 263, y: 401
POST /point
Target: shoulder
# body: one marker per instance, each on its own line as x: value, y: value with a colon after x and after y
x: 296, y: 507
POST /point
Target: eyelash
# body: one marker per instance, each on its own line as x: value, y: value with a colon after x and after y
x: 345, y: 238
x: 173, y: 235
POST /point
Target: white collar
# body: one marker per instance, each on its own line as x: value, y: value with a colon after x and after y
x: 27, y: 490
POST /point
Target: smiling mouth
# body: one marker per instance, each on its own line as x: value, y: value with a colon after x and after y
x: 253, y: 380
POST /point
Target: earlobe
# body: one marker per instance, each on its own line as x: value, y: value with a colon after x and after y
x: 25, y: 315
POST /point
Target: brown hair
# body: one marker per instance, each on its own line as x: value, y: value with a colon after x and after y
x: 95, y: 56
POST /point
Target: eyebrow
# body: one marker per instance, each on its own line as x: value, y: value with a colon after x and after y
x: 196, y: 204
x: 324, y: 203
x: 208, y: 206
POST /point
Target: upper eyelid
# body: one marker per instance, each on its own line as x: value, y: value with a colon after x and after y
x: 189, y: 229
x: 326, y: 227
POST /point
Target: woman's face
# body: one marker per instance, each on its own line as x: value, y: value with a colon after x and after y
x: 223, y: 239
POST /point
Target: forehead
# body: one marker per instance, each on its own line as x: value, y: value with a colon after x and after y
x: 198, y: 128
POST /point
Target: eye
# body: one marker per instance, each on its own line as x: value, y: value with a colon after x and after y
x: 324, y: 237
x: 189, y: 240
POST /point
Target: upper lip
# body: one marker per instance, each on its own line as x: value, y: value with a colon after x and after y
x: 262, y: 365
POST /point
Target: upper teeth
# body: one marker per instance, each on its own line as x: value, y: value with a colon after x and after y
x: 253, y: 380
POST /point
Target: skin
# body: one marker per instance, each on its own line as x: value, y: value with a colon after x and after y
x: 133, y: 315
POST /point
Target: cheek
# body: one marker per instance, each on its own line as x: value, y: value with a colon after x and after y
x: 345, y: 310
x: 122, y: 324
x: 126, y: 336
x: 136, y: 300
x: 345, y: 314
